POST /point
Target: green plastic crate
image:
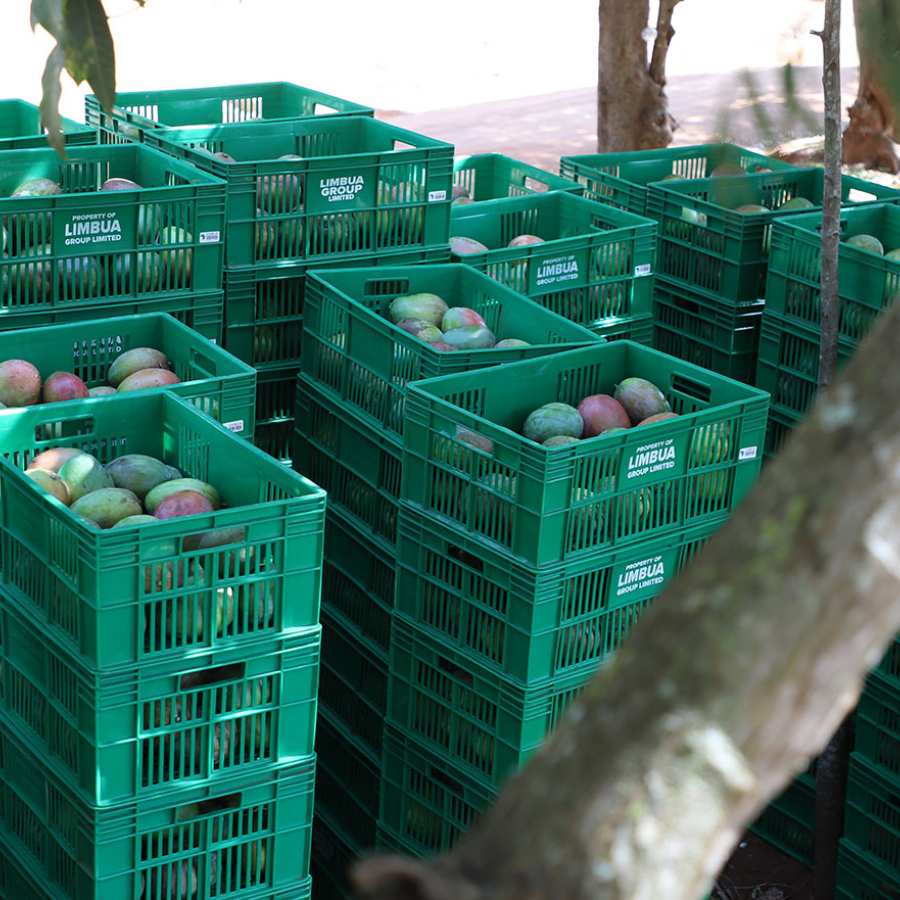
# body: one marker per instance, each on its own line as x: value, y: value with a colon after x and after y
x: 276, y: 397
x: 594, y: 266
x: 623, y: 179
x: 357, y: 465
x: 493, y: 176
x: 638, y: 329
x: 355, y: 353
x: 111, y: 597
x: 354, y: 685
x: 868, y: 283
x: 16, y: 883
x: 214, y: 381
x: 87, y: 247
x: 706, y: 243
x: 552, y: 505
x: 264, y: 307
x: 889, y: 667
x: 348, y: 782
x: 530, y: 624
x: 332, y: 855
x: 872, y: 815
x: 862, y: 877
x: 245, y: 838
x: 483, y: 723
x: 788, y: 363
x: 788, y: 823
x: 137, y: 112
x: 360, y: 186
x: 426, y: 803
x: 878, y: 725
x: 696, y: 327
x: 780, y: 426
x: 145, y: 731
x: 358, y: 578
x: 20, y: 128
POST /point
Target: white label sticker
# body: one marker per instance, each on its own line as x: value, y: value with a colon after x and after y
x: 747, y: 453
x: 434, y: 196
x: 236, y: 426
x: 210, y: 237
x: 641, y: 271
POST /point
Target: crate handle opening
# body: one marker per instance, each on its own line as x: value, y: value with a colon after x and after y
x: 685, y: 385
x: 536, y: 185
x: 448, y: 666
x: 687, y: 305
x: 467, y: 559
x: 381, y: 287
x: 214, y: 675
x: 447, y: 781
x: 403, y: 145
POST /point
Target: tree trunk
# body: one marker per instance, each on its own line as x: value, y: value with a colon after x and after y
x: 734, y: 678
x: 632, y: 107
x: 875, y: 116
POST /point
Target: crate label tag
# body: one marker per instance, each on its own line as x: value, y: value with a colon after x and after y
x: 641, y: 579
x: 747, y: 453
x: 648, y: 462
x: 100, y: 230
x: 333, y: 191
x: 643, y: 271
x: 547, y: 271
x: 236, y: 426
x: 435, y: 196
x: 210, y: 237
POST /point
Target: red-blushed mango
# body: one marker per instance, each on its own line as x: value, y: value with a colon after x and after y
x: 659, y: 417
x: 107, y: 506
x: 161, y: 491
x: 525, y: 240
x: 20, y: 383
x: 85, y: 474
x: 441, y: 346
x: 134, y: 360
x: 37, y: 187
x: 147, y: 378
x: 466, y: 246
x: 553, y: 419
x: 51, y: 483
x: 641, y: 398
x: 459, y: 317
x: 426, y: 307
x: 64, y: 386
x: 602, y: 413
x: 183, y: 503
x: 120, y: 184
x: 53, y: 460
x: 421, y: 329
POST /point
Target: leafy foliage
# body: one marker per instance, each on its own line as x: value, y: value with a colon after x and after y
x: 84, y: 48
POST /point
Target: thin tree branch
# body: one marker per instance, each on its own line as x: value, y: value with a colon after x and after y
x: 664, y: 34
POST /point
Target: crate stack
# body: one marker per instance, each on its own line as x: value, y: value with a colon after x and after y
x: 521, y: 568
x: 355, y: 369
x: 312, y: 181
x: 20, y: 128
x: 158, y: 682
x: 584, y: 260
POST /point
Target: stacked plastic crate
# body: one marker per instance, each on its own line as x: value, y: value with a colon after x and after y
x: 158, y: 682
x: 356, y: 366
x: 521, y: 567
x: 312, y: 181
x: 20, y: 128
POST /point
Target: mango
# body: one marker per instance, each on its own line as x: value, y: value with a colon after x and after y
x: 79, y: 276
x: 37, y: 187
x: 20, y: 383
x: 510, y: 344
x: 641, y: 399
x: 553, y: 419
x: 428, y: 308
x: 796, y: 203
x: 867, y: 242
x: 53, y: 460
x: 466, y: 246
x: 143, y: 272
x: 177, y: 260
x: 85, y: 474
x: 751, y: 209
x: 525, y: 240
x: 129, y: 521
x: 727, y: 170
x: 161, y: 491
x: 120, y: 184
x: 441, y: 346
x: 561, y: 440
x: 102, y: 390
x: 459, y: 191
x: 460, y: 316
x: 182, y: 503
x: 147, y: 378
x: 601, y: 413
x: 658, y: 417
x: 64, y: 386
x: 893, y: 255
x: 107, y: 506
x: 134, y: 360
x: 51, y: 483
x: 421, y: 329
x: 470, y: 337
x: 280, y: 192
x: 139, y: 473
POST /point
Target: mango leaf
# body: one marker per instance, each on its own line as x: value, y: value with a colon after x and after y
x: 48, y: 14
x: 88, y: 46
x: 52, y: 89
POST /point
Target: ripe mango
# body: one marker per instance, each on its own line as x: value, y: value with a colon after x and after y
x: 128, y: 521
x: 553, y: 419
x: 64, y: 386
x: 466, y: 246
x: 182, y: 503
x: 428, y: 308
x: 139, y: 473
x: 53, y: 460
x: 510, y: 343
x: 51, y: 483
x: 148, y: 378
x: 134, y: 360
x: 20, y: 383
x: 102, y: 390
x: 107, y: 506
x: 161, y: 491
x: 641, y: 399
x: 470, y: 337
x: 460, y: 316
x: 85, y: 474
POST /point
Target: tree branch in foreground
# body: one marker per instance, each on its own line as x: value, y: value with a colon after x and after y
x: 735, y: 677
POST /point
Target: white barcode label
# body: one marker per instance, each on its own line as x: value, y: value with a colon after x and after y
x: 434, y: 196
x: 747, y: 453
x: 641, y: 271
x: 210, y: 237
x: 236, y: 426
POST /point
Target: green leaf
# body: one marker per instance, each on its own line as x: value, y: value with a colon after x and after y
x: 89, y: 49
x: 52, y: 89
x: 48, y: 14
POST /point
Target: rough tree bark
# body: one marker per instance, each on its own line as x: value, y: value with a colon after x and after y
x: 730, y: 683
x: 875, y: 116
x: 632, y: 107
